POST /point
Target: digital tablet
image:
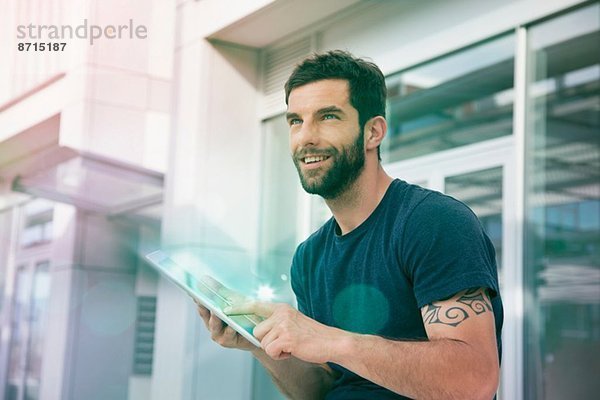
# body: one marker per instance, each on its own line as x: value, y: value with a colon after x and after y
x: 207, y: 291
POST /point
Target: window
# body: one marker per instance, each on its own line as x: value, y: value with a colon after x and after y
x: 37, y: 227
x: 459, y: 99
x: 562, y: 264
x: 27, y: 325
x: 482, y: 192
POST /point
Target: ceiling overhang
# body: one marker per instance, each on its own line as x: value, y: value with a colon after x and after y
x: 279, y: 19
x: 90, y: 182
x: 33, y: 163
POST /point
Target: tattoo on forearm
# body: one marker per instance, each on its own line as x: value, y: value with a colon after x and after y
x: 464, y: 305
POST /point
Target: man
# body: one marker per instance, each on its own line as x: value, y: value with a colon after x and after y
x: 398, y: 292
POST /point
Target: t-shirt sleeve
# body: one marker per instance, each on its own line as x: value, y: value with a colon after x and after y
x: 445, y: 250
x: 298, y: 282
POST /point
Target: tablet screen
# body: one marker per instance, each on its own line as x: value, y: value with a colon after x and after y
x: 208, y: 291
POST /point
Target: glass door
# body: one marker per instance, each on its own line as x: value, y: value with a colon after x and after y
x: 479, y: 175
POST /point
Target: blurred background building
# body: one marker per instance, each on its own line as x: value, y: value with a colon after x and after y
x: 178, y: 140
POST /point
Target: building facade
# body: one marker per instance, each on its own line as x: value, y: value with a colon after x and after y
x: 179, y: 141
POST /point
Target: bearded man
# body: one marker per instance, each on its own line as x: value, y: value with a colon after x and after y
x: 398, y: 292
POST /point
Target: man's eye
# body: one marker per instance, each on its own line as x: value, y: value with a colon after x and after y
x: 295, y: 121
x: 329, y: 116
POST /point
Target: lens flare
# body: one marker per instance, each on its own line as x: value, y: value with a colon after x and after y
x: 265, y: 293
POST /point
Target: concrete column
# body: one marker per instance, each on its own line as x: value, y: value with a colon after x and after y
x: 91, y: 311
x: 211, y: 205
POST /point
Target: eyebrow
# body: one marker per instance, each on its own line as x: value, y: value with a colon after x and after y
x: 321, y: 111
x: 289, y: 116
x: 329, y: 109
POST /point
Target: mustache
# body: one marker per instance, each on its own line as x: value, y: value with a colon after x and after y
x: 313, y: 152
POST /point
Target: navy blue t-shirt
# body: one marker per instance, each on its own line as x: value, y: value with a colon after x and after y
x: 418, y: 246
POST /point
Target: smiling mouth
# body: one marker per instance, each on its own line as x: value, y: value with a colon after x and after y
x: 314, y: 159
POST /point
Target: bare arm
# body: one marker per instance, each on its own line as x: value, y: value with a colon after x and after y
x: 296, y: 379
x: 459, y: 361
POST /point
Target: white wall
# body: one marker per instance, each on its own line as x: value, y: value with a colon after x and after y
x: 21, y: 71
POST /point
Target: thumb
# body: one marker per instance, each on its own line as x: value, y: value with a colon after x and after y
x: 251, y: 307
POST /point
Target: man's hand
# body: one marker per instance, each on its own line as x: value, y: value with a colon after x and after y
x: 221, y: 333
x: 286, y: 332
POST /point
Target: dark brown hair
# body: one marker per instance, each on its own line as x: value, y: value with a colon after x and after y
x: 365, y: 81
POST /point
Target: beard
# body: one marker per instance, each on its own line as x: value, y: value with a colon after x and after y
x: 347, y: 165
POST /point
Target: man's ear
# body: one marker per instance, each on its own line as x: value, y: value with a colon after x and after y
x: 375, y: 130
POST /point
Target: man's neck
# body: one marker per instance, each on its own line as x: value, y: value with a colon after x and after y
x: 353, y: 207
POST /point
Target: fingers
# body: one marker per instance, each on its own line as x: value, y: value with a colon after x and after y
x: 220, y: 332
x: 264, y: 328
x: 204, y: 314
x: 212, y: 322
x: 275, y: 346
x: 278, y: 313
x: 265, y: 334
x: 274, y: 351
x: 270, y: 341
x: 215, y: 326
x: 228, y: 337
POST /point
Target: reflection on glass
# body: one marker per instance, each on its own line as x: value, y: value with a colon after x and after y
x: 482, y: 192
x: 279, y: 204
x: 562, y: 264
x: 459, y: 99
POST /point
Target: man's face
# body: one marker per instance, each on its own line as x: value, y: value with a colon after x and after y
x: 325, y: 139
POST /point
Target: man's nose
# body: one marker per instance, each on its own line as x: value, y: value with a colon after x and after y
x: 308, y: 134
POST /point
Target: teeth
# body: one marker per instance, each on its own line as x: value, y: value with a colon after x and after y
x: 310, y: 160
